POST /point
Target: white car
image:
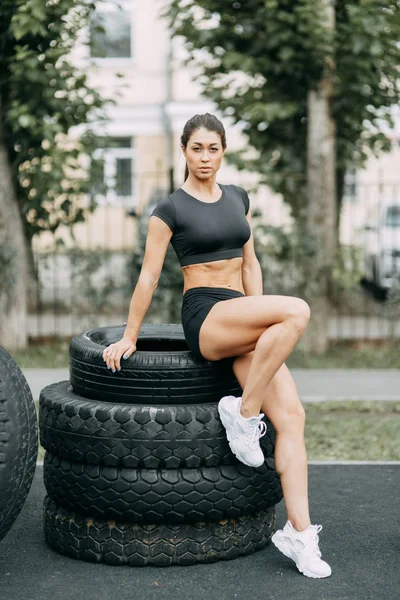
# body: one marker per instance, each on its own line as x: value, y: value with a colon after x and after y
x: 382, y: 247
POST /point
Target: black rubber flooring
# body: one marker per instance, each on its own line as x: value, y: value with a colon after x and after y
x: 357, y: 505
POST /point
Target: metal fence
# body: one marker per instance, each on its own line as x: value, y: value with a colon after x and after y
x: 84, y: 283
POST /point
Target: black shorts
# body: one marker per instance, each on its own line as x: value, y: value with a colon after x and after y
x: 196, y: 304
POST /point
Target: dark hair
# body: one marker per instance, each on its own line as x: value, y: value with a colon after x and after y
x: 207, y: 121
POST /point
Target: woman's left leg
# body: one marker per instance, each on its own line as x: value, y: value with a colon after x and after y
x: 282, y: 405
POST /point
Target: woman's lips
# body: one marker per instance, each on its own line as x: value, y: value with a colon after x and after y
x: 205, y: 168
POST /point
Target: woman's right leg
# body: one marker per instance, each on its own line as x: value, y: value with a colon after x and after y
x: 269, y: 325
x: 272, y: 349
x: 230, y: 332
x: 282, y: 405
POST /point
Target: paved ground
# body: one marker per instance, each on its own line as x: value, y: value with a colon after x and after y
x: 374, y: 326
x: 356, y: 505
x: 314, y: 385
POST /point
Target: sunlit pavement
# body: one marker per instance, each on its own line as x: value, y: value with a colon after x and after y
x: 313, y: 385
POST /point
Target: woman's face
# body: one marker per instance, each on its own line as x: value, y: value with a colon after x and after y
x: 204, y: 153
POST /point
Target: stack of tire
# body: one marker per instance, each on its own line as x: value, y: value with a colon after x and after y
x: 138, y: 469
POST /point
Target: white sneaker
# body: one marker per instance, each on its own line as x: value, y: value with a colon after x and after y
x: 302, y: 547
x: 243, y: 434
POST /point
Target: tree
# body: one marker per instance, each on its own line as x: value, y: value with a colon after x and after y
x: 42, y: 95
x: 260, y: 61
x: 320, y: 208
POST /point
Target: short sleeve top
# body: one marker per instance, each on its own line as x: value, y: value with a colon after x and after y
x: 206, y: 231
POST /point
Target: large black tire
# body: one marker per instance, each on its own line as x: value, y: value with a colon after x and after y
x: 135, y: 436
x: 161, y: 495
x: 120, y: 543
x: 162, y: 370
x: 18, y: 440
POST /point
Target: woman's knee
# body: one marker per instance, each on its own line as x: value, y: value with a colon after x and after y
x: 291, y: 418
x: 299, y: 314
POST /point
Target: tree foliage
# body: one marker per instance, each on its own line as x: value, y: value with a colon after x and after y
x: 43, y: 93
x: 258, y: 59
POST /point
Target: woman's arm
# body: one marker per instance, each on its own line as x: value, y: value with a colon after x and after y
x: 252, y: 279
x: 251, y: 268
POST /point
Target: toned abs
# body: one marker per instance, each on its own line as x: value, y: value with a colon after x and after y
x: 219, y: 273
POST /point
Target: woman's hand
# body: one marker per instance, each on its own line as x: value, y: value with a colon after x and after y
x: 112, y: 354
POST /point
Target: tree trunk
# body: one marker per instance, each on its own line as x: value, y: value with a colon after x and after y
x: 13, y: 263
x: 32, y: 282
x: 340, y: 179
x: 321, y: 214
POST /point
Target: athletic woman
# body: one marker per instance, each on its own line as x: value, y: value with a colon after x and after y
x: 225, y: 314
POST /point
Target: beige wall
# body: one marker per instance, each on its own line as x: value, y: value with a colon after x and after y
x: 385, y: 168
x: 150, y: 167
x: 109, y: 226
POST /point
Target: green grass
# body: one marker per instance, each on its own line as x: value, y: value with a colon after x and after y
x: 348, y: 430
x: 367, y: 354
x: 362, y: 355
x: 43, y: 354
x: 352, y: 430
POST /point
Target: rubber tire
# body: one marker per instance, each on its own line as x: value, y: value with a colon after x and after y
x: 161, y: 495
x: 120, y: 543
x: 161, y: 371
x: 135, y: 436
x: 18, y: 440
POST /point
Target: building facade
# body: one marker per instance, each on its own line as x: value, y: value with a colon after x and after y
x: 156, y: 95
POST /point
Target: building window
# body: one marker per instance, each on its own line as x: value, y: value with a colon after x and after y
x: 116, y: 173
x: 110, y: 34
x: 350, y: 184
x: 392, y: 217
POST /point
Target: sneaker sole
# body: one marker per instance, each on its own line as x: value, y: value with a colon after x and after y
x: 283, y: 547
x: 226, y: 420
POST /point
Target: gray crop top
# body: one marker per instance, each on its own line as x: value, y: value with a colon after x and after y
x: 206, y: 231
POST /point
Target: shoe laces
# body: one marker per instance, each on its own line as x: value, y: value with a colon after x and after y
x: 254, y: 431
x: 313, y: 540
